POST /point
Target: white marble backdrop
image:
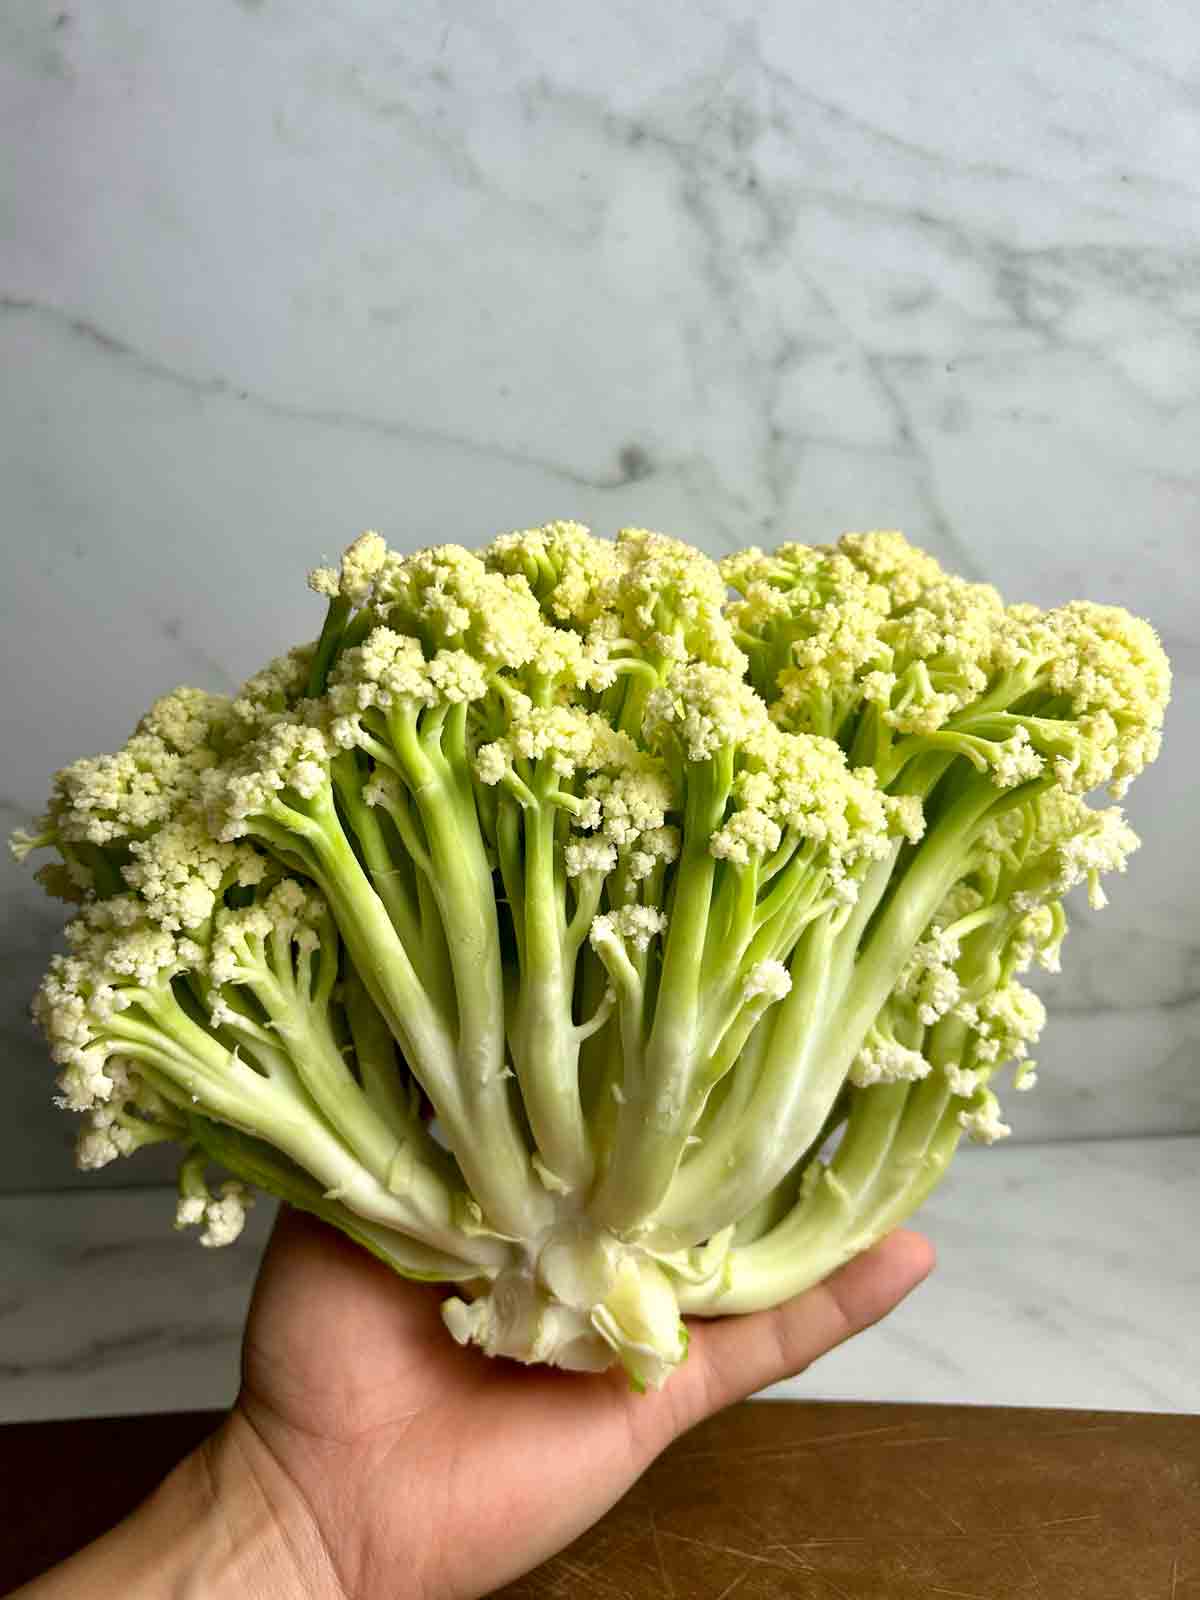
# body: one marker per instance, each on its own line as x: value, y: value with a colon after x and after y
x: 278, y: 270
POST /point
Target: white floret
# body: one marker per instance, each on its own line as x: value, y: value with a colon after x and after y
x: 1035, y: 940
x: 1025, y: 1077
x: 656, y: 847
x: 885, y: 1061
x: 929, y: 979
x: 324, y: 581
x: 84, y: 1081
x: 221, y: 1012
x: 589, y: 855
x: 963, y: 1081
x: 907, y: 816
x: 189, y: 1210
x: 102, y: 1140
x: 984, y: 1124
x: 1105, y: 847
x: 706, y: 709
x: 1015, y: 761
x: 225, y: 1217
x: 769, y: 979
x: 749, y: 832
x: 635, y: 925
x: 355, y: 575
x: 492, y: 761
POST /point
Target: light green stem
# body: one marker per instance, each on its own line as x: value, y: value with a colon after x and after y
x: 477, y: 1117
x: 260, y: 1164
x: 200, y: 1075
x: 827, y: 1017
x: 654, y: 1123
x: 383, y: 869
x: 898, y: 1143
x: 754, y: 1142
x: 383, y: 1080
x: 545, y: 1039
x: 401, y: 1157
x: 869, y: 974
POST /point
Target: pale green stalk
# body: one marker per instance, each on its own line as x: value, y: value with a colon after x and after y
x: 258, y: 1163
x: 384, y: 1082
x: 897, y: 1145
x: 299, y: 1014
x: 192, y: 1070
x: 898, y: 1142
x: 727, y: 1103
x: 477, y: 1116
x: 836, y: 995
x: 545, y: 1040
x: 755, y: 1139
x: 661, y: 1108
x: 461, y: 882
x: 387, y: 878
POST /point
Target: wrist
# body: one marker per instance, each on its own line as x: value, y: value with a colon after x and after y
x: 259, y: 1540
x: 227, y: 1521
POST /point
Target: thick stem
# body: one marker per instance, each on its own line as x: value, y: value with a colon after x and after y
x: 384, y: 966
x: 384, y: 1082
x: 546, y: 1041
x: 654, y: 1123
x: 827, y: 1017
x: 328, y: 644
x: 461, y: 882
x: 363, y: 1211
x: 896, y: 1149
x: 600, y: 1059
x: 477, y: 1117
x: 755, y: 1141
x: 580, y: 1300
x: 385, y: 872
x: 726, y: 1105
x: 276, y: 1109
x: 732, y: 924
x: 331, y: 1086
x: 400, y: 1157
x: 870, y: 974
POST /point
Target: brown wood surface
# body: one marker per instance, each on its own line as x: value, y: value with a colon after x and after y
x: 812, y: 1501
x: 877, y: 1502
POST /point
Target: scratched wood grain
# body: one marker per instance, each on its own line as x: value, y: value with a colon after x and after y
x: 789, y: 1500
x: 875, y: 1502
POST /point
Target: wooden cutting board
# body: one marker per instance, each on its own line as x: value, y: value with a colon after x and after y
x: 797, y: 1500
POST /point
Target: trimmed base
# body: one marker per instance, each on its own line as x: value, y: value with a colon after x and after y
x: 583, y: 1301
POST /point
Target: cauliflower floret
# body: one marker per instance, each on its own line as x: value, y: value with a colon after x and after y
x: 768, y: 980
x: 884, y: 1061
x: 635, y: 925
x: 983, y: 1122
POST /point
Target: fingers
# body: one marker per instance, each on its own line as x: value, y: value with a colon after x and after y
x: 734, y: 1357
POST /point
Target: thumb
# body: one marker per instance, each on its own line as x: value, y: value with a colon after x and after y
x: 733, y: 1357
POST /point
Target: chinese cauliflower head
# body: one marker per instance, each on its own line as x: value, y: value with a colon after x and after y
x: 605, y: 931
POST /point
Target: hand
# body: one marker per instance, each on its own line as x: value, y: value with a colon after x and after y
x: 397, y: 1462
x: 369, y: 1455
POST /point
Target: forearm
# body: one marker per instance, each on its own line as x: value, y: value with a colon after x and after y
x: 225, y: 1522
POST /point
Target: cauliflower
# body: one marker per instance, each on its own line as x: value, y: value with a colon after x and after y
x: 689, y: 899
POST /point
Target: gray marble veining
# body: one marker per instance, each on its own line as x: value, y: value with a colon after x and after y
x: 1067, y: 1277
x: 743, y: 272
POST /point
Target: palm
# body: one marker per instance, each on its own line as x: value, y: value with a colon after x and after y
x: 421, y: 1460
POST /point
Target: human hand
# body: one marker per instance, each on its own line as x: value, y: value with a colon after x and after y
x: 395, y: 1461
x: 369, y: 1455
